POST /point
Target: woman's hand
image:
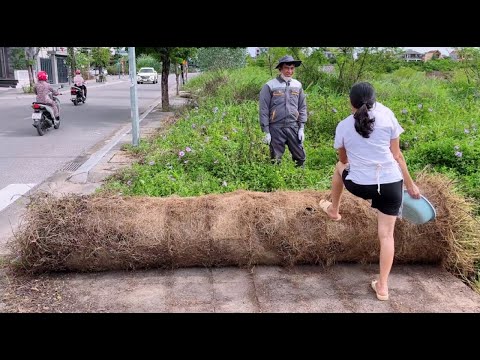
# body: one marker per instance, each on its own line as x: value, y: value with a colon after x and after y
x: 413, y: 191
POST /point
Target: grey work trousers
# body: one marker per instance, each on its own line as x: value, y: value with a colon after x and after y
x: 289, y: 136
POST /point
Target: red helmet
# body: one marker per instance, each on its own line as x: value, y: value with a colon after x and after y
x: 42, y: 76
x: 77, y: 72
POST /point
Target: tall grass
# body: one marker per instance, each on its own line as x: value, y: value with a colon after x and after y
x: 223, y: 133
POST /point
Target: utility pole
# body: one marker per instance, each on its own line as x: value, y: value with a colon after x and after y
x: 133, y: 96
x: 73, y: 65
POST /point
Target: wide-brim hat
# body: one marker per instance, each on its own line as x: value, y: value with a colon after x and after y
x: 286, y: 60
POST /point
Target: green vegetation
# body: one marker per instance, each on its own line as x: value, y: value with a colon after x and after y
x: 214, y: 58
x: 216, y: 147
x: 148, y: 61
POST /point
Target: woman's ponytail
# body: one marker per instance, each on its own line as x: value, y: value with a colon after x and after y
x: 362, y: 98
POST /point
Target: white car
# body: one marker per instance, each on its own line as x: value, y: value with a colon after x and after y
x: 147, y: 74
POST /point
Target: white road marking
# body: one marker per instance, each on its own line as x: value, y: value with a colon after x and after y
x: 12, y: 192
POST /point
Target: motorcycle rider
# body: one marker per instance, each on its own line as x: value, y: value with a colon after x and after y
x: 80, y: 82
x: 43, y: 89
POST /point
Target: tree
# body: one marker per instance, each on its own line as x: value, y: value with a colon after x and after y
x: 148, y: 61
x: 100, y: 59
x: 270, y: 57
x: 31, y: 54
x: 216, y: 58
x: 165, y: 56
x: 18, y: 58
x: 82, y: 61
x: 352, y: 64
x: 71, y: 61
x: 382, y: 60
x: 120, y: 60
x: 311, y: 71
x: 470, y: 64
x: 179, y: 58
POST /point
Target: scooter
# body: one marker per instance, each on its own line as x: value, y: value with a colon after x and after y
x: 77, y: 95
x: 43, y: 117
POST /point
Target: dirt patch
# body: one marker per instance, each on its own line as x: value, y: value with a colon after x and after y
x: 38, y: 294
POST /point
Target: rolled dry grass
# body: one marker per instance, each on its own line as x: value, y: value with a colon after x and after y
x: 242, y: 228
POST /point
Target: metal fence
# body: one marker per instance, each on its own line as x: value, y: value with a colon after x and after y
x: 62, y: 69
x: 46, y: 65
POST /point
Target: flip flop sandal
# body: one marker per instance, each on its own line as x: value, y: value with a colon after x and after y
x: 379, y: 297
x: 324, y: 204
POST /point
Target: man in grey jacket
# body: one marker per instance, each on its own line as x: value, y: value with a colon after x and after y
x: 283, y: 112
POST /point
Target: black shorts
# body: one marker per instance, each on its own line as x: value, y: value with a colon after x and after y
x: 388, y: 202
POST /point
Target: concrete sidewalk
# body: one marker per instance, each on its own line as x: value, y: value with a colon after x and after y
x: 342, y: 288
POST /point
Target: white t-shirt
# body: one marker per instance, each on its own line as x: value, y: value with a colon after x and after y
x: 371, y: 161
x: 78, y: 80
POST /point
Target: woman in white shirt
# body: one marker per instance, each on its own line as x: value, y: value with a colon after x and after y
x: 372, y: 166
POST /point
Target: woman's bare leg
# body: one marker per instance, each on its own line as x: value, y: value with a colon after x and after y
x: 337, y: 189
x: 386, y: 226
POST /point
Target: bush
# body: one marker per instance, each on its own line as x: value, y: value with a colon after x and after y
x: 232, y: 87
x: 442, y: 65
x: 448, y: 153
x: 28, y: 89
x: 112, y: 69
x: 217, y: 58
x: 148, y: 61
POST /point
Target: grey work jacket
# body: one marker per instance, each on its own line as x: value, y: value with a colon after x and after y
x: 282, y: 104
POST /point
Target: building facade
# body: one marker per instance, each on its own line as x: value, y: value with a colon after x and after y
x: 53, y: 60
x: 412, y: 55
x: 7, y: 75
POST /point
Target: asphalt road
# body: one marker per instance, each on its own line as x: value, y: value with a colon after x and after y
x: 27, y: 159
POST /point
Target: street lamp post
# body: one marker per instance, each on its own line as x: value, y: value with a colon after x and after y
x: 133, y: 96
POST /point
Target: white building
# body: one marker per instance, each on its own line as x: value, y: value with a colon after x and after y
x: 412, y: 55
x: 255, y: 51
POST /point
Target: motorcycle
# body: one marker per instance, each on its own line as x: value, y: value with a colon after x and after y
x: 43, y: 117
x: 77, y: 95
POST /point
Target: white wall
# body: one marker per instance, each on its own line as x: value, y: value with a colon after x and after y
x: 22, y: 77
x: 252, y: 51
